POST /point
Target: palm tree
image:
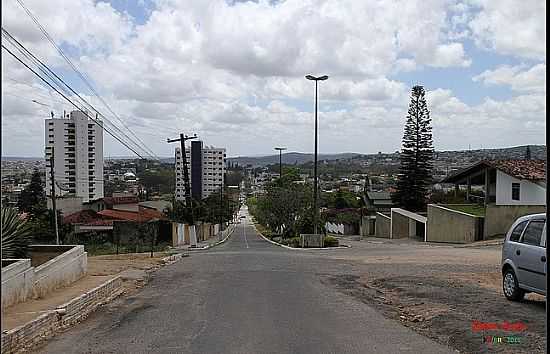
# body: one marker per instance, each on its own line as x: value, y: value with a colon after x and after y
x: 16, y: 234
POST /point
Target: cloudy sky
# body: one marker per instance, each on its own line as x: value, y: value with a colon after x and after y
x: 233, y: 72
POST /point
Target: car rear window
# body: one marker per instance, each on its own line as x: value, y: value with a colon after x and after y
x: 516, y: 233
x: 533, y: 233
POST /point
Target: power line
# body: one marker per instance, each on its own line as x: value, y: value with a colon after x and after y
x: 69, y: 100
x: 82, y: 76
x: 62, y: 85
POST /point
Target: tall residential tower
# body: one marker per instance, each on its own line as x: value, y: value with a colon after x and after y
x: 77, y: 144
x: 206, y: 167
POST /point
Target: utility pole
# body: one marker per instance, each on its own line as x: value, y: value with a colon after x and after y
x: 188, y: 199
x: 52, y: 195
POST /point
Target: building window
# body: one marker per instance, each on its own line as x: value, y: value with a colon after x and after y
x: 515, y: 191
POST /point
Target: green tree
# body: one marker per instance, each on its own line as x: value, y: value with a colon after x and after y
x: 234, y: 177
x: 159, y: 181
x: 284, y: 209
x: 33, y: 199
x: 415, y: 171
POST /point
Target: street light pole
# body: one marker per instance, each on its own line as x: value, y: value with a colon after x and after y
x: 315, y: 187
x: 280, y: 161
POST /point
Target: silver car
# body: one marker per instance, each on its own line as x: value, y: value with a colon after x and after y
x: 524, y: 257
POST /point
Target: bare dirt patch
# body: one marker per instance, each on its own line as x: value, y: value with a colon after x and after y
x: 445, y: 310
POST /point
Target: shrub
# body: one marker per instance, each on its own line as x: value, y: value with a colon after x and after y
x: 331, y: 241
x: 294, y: 242
x: 16, y: 234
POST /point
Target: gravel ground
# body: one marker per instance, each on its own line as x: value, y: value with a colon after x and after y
x: 439, y: 291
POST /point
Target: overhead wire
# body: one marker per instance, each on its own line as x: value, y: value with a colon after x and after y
x: 69, y: 100
x: 63, y: 86
x: 84, y: 77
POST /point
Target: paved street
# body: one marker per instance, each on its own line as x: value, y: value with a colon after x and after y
x: 244, y: 296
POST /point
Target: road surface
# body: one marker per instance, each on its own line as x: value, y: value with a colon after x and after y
x: 244, y: 296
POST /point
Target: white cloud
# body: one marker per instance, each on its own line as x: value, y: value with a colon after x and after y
x: 517, y: 77
x: 447, y: 55
x: 235, y: 74
x: 511, y: 27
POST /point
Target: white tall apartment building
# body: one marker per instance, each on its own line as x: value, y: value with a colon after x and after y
x: 77, y: 144
x: 206, y: 168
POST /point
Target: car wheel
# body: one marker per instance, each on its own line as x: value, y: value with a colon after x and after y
x: 510, y: 286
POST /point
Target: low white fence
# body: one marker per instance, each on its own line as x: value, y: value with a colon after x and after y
x: 335, y: 228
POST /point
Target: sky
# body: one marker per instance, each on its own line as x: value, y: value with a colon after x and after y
x: 233, y: 71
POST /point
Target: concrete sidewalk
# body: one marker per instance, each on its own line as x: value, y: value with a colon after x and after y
x: 372, y: 239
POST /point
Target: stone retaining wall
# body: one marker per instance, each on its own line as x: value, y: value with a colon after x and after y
x: 48, y: 324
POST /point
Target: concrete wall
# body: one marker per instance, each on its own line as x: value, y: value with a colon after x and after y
x: 499, y: 218
x: 22, y: 280
x: 447, y: 225
x: 529, y: 194
x: 311, y: 240
x: 382, y: 226
x: 134, y: 233
x: 17, y: 282
x: 60, y: 271
x: 41, y: 254
x: 399, y: 226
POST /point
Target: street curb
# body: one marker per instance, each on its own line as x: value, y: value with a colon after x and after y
x: 300, y: 249
x: 471, y: 245
x: 214, y: 244
x: 174, y: 258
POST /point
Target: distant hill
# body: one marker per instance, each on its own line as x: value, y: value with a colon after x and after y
x: 287, y: 158
x: 515, y: 152
x: 16, y: 158
x: 538, y: 152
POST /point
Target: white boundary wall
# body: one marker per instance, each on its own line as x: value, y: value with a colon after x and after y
x: 21, y: 281
x: 412, y: 218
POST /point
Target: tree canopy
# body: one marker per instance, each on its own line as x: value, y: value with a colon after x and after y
x: 415, y: 171
x: 33, y: 199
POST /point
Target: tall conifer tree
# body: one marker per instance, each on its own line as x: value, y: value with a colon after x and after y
x: 415, y: 171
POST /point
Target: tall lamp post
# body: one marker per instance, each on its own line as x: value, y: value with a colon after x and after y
x: 315, y: 209
x: 280, y: 161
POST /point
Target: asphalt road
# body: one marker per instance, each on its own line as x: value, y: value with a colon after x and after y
x: 244, y: 296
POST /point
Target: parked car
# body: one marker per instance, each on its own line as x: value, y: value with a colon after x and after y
x: 524, y: 257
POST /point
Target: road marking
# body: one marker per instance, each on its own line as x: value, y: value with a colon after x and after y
x: 244, y: 232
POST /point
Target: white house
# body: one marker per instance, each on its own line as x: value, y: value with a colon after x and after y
x: 505, y: 182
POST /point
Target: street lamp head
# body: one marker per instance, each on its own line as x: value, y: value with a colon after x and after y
x: 320, y: 78
x: 280, y: 148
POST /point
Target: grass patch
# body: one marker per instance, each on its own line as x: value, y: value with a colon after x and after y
x: 473, y: 209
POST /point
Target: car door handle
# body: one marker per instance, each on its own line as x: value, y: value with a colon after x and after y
x: 518, y: 252
x: 543, y: 259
